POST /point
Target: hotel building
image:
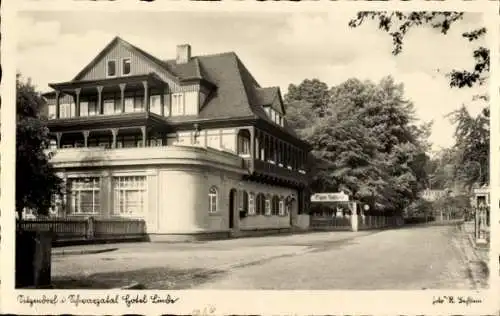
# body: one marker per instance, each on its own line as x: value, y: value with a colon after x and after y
x: 191, y: 145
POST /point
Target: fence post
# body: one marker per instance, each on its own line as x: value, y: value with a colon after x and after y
x: 90, y: 233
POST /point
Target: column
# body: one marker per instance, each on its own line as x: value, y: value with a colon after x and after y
x: 57, y: 104
x: 58, y: 136
x: 252, y: 143
x: 85, y: 138
x: 99, y: 99
x: 77, y: 102
x: 146, y: 95
x: 143, y: 131
x: 122, y: 96
x: 354, y: 217
x: 114, y: 131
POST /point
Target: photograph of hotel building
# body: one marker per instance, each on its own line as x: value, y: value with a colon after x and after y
x: 191, y: 145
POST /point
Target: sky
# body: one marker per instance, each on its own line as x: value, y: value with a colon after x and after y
x: 279, y: 48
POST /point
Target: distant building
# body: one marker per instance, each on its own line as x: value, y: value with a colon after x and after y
x: 433, y: 195
x: 191, y: 145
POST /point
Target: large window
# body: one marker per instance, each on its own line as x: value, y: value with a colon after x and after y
x: 177, y: 104
x: 212, y: 200
x: 268, y: 205
x: 244, y: 143
x: 109, y: 106
x: 84, y: 194
x: 52, y: 111
x: 155, y: 104
x: 251, y: 204
x: 111, y: 68
x: 126, y: 66
x: 138, y: 104
x: 282, y: 207
x: 84, y: 108
x: 275, y: 205
x: 130, y: 195
x: 93, y: 108
x: 65, y: 110
x: 129, y: 104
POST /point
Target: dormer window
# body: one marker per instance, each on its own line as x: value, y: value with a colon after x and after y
x: 274, y: 115
x: 111, y: 68
x: 126, y: 66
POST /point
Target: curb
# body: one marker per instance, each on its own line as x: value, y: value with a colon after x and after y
x: 82, y: 252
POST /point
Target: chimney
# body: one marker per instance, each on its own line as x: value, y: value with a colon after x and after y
x: 183, y: 53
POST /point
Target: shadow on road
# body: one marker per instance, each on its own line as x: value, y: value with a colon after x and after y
x: 150, y: 278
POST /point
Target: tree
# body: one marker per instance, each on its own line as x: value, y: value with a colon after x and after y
x: 36, y: 181
x: 471, y: 150
x: 366, y: 134
x: 472, y: 147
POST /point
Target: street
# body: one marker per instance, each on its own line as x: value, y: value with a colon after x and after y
x: 410, y: 258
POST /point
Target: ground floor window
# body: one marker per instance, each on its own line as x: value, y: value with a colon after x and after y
x: 84, y: 195
x: 129, y: 195
x: 282, y: 208
x: 251, y: 204
x: 268, y: 205
x: 275, y: 205
x: 212, y: 200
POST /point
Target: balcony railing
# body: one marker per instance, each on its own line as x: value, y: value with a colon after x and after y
x: 273, y: 169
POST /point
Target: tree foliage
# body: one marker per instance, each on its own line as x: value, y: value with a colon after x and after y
x: 471, y: 150
x: 472, y: 147
x: 366, y: 135
x: 36, y: 182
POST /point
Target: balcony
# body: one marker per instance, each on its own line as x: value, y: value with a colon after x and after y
x: 147, y: 156
x: 272, y: 170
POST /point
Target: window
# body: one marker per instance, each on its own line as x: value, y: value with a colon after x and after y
x: 155, y: 104
x: 52, y: 111
x: 155, y: 142
x: 261, y: 204
x: 118, y: 106
x: 212, y: 200
x: 111, y: 68
x: 93, y: 108
x: 244, y: 201
x: 251, y: 204
x: 84, y: 108
x: 275, y: 205
x: 244, y: 143
x: 177, y: 104
x: 109, y: 106
x: 64, y: 110
x: 130, y: 195
x: 282, y: 207
x: 126, y: 66
x: 85, y: 195
x: 138, y: 104
x: 53, y: 144
x: 129, y: 104
x: 166, y: 105
x: 268, y: 206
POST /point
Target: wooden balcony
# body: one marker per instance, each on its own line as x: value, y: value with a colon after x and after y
x: 275, y: 172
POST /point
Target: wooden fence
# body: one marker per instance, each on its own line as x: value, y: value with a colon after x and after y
x: 343, y: 222
x: 67, y: 230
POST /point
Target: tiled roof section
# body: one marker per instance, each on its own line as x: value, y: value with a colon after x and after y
x: 266, y: 96
x: 189, y: 70
x: 230, y: 98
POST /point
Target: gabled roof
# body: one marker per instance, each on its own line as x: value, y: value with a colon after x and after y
x: 118, y: 40
x: 234, y: 91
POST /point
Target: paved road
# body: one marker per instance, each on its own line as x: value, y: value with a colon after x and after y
x: 414, y: 259
x: 407, y: 258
